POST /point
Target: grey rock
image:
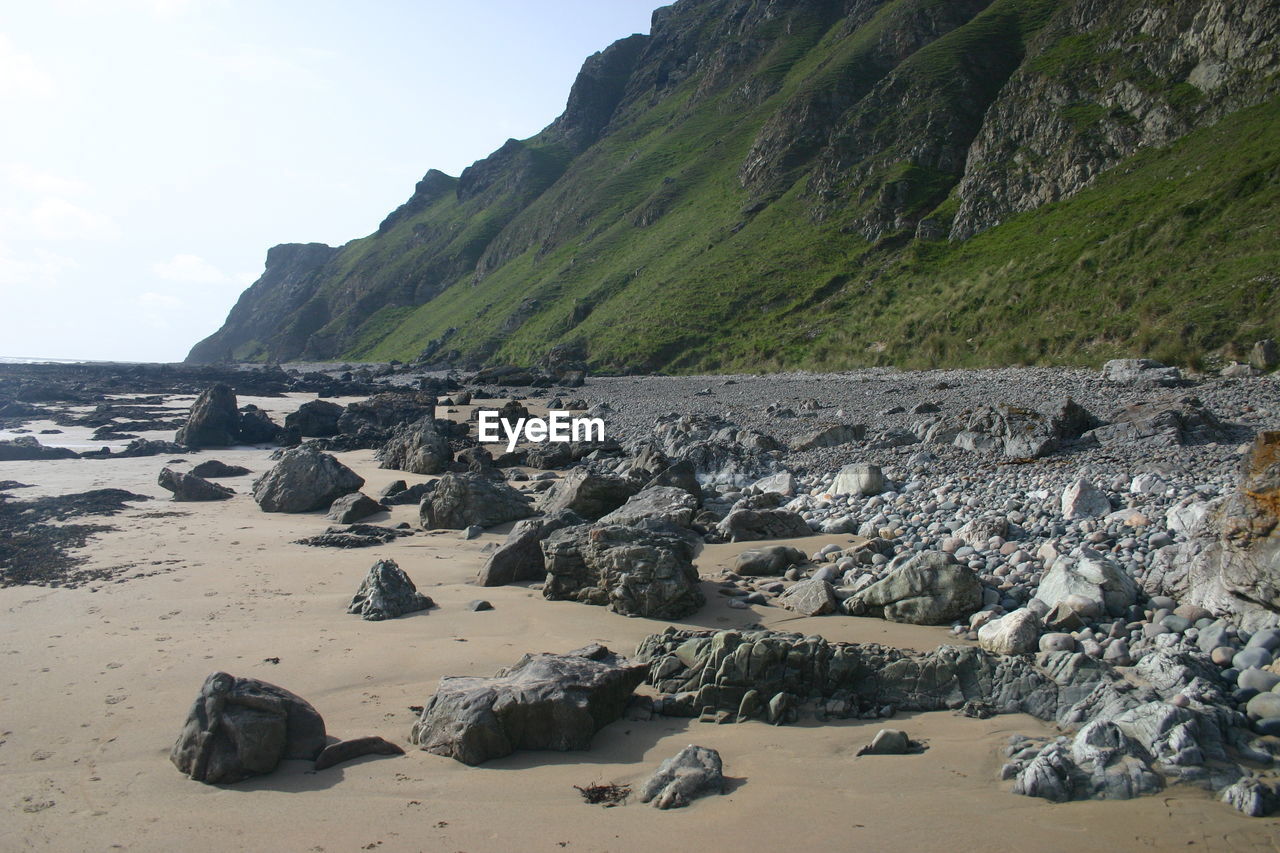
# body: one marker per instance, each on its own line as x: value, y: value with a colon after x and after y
x: 1129, y: 371
x: 242, y: 727
x: 1251, y: 796
x: 214, y: 420
x: 588, y: 494
x: 887, y: 742
x: 519, y: 558
x: 929, y: 589
x: 1083, y: 499
x: 354, y: 507
x: 303, y: 480
x: 830, y: 436
x: 418, y: 448
x: 634, y: 571
x: 812, y: 597
x: 316, y: 418
x: 859, y: 479
x: 1090, y: 576
x: 214, y: 468
x: 189, y: 487
x: 691, y: 773
x: 387, y: 593
x: 1265, y: 355
x: 770, y: 560
x: 749, y: 525
x: 1016, y: 633
x: 461, y: 500
x: 543, y: 702
x: 663, y: 503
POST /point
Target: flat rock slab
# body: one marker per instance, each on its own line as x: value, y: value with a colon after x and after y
x: 545, y: 701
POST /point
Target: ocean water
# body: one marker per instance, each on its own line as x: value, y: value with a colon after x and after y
x: 4, y: 359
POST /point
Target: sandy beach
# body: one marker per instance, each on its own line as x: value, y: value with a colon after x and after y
x: 97, y: 680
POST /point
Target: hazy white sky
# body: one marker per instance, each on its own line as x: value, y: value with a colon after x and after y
x: 154, y: 149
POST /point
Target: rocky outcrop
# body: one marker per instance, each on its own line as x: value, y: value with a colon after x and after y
x: 634, y: 571
x: 460, y: 500
x: 28, y: 447
x: 660, y: 503
x: 928, y: 589
x: 520, y: 557
x: 315, y: 418
x: 417, y: 448
x: 242, y: 727
x: 589, y: 494
x: 304, y: 480
x: 750, y: 525
x: 544, y: 701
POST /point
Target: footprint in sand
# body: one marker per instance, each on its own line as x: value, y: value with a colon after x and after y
x: 41, y: 755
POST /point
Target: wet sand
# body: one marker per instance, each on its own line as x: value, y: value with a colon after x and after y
x: 97, y: 681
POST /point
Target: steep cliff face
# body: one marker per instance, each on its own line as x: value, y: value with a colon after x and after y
x: 760, y: 183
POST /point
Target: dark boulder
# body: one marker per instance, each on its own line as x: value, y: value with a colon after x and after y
x: 387, y: 593
x: 26, y: 448
x: 303, y: 480
x: 461, y: 500
x: 316, y: 418
x: 189, y: 487
x: 214, y: 420
x: 589, y: 494
x: 215, y: 468
x: 520, y: 557
x: 418, y: 448
x: 545, y: 701
x: 242, y: 727
x: 256, y: 427
x: 354, y: 507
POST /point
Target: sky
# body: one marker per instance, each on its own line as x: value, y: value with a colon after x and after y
x: 153, y: 150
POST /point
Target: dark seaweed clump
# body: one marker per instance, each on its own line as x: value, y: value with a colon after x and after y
x: 35, y: 551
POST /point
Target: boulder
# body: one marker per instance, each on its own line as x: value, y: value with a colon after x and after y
x: 1083, y: 499
x: 304, y: 480
x: 214, y: 420
x: 1169, y: 422
x: 830, y: 436
x: 189, y: 487
x: 1016, y: 633
x: 749, y: 525
x: 858, y: 479
x: 887, y: 742
x: 681, y: 476
x: 242, y: 727
x: 811, y: 597
x: 1252, y: 796
x: 545, y: 701
x: 387, y: 593
x: 770, y: 560
x: 1090, y: 575
x: 634, y: 571
x: 519, y: 558
x: 214, y: 468
x: 589, y: 494
x: 28, y: 447
x: 354, y: 507
x: 315, y: 418
x: 461, y: 500
x: 661, y: 503
x: 256, y: 427
x: 691, y: 773
x: 418, y: 448
x: 928, y: 589
x: 1129, y: 371
x: 1265, y: 356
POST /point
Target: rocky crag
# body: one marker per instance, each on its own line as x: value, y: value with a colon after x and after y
x: 834, y: 183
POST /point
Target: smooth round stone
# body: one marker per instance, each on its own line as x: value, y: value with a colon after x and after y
x: 1248, y: 657
x: 1057, y: 642
x: 1162, y: 602
x: 1222, y: 655
x: 1230, y: 674
x: 1150, y: 630
x: 1118, y: 653
x: 1258, y: 679
x: 1091, y: 648
x: 1268, y: 726
x: 1180, y: 701
x: 1268, y: 639
x: 1192, y: 613
x: 1264, y: 705
x: 1176, y: 624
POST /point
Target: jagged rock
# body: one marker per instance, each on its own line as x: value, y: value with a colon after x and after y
x: 770, y: 560
x: 1170, y: 422
x: 782, y: 483
x: 812, y: 597
x: 680, y: 476
x: 545, y: 701
x: 354, y: 507
x: 214, y: 420
x: 635, y: 571
x: 242, y: 727
x: 355, y: 536
x: 256, y: 427
x: 141, y: 447
x: 1231, y: 563
x: 1251, y: 796
x: 387, y: 593
x: 749, y: 525
x: 928, y: 589
x: 315, y: 418
x: 858, y: 479
x: 661, y: 503
x: 519, y: 558
x: 28, y: 447
x: 719, y: 451
x: 461, y: 500
x: 1091, y: 576
x: 189, y: 487
x: 303, y: 480
x: 830, y: 436
x: 418, y: 448
x: 1016, y: 633
x: 1083, y: 499
x: 410, y: 495
x: 1130, y: 371
x: 380, y: 414
x: 589, y: 494
x: 694, y: 771
x: 214, y: 468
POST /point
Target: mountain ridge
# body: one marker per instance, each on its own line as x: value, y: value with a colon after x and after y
x: 762, y: 185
